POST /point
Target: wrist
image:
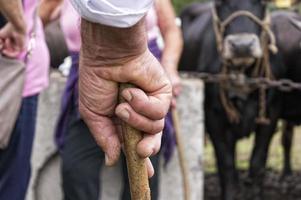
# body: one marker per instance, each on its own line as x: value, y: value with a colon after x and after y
x: 109, y: 46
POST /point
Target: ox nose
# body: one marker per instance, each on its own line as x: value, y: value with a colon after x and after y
x: 242, y: 48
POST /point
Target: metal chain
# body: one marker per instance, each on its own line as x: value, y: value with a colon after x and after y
x: 284, y: 85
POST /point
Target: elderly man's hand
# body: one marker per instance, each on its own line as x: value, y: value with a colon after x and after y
x: 107, y: 60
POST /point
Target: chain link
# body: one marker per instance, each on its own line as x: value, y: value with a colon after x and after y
x: 284, y: 85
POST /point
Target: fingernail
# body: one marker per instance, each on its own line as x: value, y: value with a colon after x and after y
x: 123, y: 114
x: 127, y: 95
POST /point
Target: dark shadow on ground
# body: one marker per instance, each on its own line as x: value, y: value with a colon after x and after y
x: 275, y: 187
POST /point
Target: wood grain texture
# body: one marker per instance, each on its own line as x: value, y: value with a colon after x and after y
x: 137, y: 170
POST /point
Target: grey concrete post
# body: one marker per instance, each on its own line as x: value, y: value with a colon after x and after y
x: 46, y: 180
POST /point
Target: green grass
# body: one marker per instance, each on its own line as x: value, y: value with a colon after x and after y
x: 244, y: 149
x: 180, y: 4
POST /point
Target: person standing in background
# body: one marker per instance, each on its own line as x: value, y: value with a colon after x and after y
x: 15, y: 167
x: 16, y: 32
x: 72, y: 135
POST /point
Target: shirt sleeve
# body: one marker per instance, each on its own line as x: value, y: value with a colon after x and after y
x: 117, y: 13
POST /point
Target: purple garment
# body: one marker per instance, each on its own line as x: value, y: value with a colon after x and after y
x: 154, y: 49
x: 70, y: 98
x: 168, y: 139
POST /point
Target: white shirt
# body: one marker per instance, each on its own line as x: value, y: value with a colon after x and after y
x: 117, y: 13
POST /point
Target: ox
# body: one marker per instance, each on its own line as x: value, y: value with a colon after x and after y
x: 226, y: 38
x: 287, y: 26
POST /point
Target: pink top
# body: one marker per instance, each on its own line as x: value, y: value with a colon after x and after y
x: 70, y: 26
x: 38, y: 63
x: 152, y: 24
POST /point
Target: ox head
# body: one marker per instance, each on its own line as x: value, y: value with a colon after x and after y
x: 240, y: 22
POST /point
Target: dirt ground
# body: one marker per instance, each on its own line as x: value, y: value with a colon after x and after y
x: 275, y: 187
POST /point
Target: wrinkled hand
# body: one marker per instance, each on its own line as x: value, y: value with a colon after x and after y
x: 145, y: 107
x: 12, y: 40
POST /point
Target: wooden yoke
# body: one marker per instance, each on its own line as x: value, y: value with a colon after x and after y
x: 137, y: 171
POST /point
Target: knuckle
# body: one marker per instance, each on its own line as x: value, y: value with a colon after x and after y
x: 136, y: 122
x: 157, y: 126
x: 135, y: 72
x: 156, y: 149
x: 141, y: 105
x: 161, y: 113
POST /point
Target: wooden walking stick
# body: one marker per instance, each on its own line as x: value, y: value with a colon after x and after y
x: 137, y: 170
x: 182, y: 160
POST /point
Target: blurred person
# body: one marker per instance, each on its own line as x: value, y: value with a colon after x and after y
x: 15, y: 33
x: 82, y: 158
x: 15, y: 167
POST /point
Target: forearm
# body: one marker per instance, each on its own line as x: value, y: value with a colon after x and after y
x: 13, y: 12
x: 109, y: 46
x: 172, y: 49
x: 47, y: 10
x: 171, y: 34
